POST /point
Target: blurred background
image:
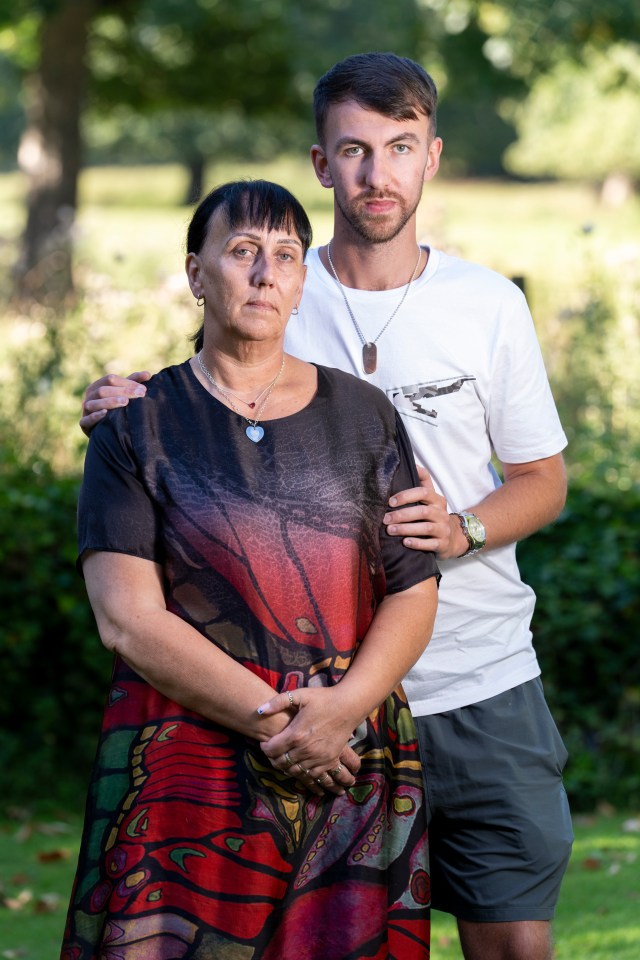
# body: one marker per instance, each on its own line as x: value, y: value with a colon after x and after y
x: 115, y: 116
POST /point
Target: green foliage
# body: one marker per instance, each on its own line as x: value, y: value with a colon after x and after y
x: 579, y: 120
x: 585, y: 570
x: 53, y: 667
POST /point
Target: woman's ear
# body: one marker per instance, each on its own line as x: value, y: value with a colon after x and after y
x: 192, y: 267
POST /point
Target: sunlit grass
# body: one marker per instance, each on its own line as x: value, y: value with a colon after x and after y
x: 597, y: 918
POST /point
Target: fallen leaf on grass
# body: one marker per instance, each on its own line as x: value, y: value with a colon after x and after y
x: 54, y: 828
x: 591, y: 863
x: 20, y: 879
x: 47, y: 903
x: 24, y: 833
x: 19, y: 901
x: 51, y: 856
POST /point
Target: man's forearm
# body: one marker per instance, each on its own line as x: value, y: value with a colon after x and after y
x: 532, y: 495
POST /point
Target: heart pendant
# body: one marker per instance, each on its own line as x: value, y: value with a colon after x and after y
x: 255, y: 434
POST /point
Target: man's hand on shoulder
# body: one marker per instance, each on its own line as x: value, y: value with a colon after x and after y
x: 423, y: 519
x: 110, y: 392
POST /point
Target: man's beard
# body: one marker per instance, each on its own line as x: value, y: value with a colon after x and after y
x: 376, y: 229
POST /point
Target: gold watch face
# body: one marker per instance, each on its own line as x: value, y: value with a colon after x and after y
x: 476, y: 529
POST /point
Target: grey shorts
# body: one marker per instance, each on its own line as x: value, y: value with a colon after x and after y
x: 500, y: 830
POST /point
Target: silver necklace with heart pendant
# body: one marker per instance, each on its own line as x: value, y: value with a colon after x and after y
x: 254, y: 431
x: 369, y: 348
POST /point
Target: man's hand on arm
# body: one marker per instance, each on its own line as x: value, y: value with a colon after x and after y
x: 110, y: 392
x: 424, y: 518
x: 532, y: 495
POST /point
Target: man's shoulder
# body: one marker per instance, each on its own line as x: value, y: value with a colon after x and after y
x: 476, y: 277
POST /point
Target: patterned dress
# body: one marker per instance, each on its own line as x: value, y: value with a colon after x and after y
x: 194, y: 846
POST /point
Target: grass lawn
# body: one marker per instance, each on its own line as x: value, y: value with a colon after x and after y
x: 598, y: 917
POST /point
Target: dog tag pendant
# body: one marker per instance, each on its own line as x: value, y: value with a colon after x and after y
x: 369, y: 357
x: 254, y: 433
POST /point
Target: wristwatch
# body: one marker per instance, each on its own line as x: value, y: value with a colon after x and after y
x: 473, y: 529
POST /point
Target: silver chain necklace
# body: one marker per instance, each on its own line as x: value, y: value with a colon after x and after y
x: 253, y: 431
x: 369, y: 349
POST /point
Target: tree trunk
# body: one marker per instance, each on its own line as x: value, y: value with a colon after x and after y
x: 195, y: 166
x: 50, y: 152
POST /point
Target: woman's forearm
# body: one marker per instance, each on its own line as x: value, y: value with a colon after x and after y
x: 398, y: 635
x: 128, y: 602
x: 327, y: 716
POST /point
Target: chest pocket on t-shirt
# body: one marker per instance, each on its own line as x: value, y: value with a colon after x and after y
x: 437, y: 401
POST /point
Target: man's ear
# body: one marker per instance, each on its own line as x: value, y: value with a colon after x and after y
x: 433, y: 161
x: 321, y: 166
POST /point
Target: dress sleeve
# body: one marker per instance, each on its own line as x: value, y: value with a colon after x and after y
x: 115, y: 511
x: 404, y: 567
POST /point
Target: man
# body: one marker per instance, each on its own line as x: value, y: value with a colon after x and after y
x: 454, y: 348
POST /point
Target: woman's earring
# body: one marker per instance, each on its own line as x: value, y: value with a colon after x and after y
x: 294, y: 312
x: 200, y: 302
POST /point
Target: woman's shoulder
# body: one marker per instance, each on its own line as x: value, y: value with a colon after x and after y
x: 171, y: 378
x: 347, y: 385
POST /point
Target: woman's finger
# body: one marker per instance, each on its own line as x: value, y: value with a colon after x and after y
x: 279, y: 703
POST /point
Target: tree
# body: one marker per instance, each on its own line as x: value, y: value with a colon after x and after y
x: 50, y: 149
x: 580, y: 120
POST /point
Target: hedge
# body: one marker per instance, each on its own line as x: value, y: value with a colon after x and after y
x: 54, y: 671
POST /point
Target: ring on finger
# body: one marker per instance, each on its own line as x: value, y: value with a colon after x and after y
x: 336, y: 772
x: 304, y: 770
x: 288, y: 759
x: 322, y: 779
x: 292, y: 702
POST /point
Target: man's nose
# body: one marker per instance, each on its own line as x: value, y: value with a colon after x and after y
x: 376, y: 172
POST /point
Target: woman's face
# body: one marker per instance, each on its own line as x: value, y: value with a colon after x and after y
x: 251, y: 279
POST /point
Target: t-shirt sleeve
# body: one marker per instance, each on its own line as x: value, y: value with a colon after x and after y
x: 521, y: 414
x: 115, y: 511
x: 404, y: 567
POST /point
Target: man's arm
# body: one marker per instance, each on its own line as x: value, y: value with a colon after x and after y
x: 532, y: 495
x: 110, y: 392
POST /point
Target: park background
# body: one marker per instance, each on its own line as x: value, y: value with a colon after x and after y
x: 115, y: 115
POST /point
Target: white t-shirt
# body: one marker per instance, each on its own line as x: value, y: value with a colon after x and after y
x: 462, y: 363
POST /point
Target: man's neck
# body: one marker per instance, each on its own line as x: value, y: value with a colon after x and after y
x: 363, y: 265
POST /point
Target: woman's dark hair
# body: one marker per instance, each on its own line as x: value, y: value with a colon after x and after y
x: 250, y: 203
x: 394, y: 86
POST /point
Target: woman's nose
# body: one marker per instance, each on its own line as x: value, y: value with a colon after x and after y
x: 263, y: 271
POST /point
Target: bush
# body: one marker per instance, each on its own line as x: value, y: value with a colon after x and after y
x: 53, y: 666
x: 585, y: 570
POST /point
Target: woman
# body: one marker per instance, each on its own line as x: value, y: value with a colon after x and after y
x: 257, y: 791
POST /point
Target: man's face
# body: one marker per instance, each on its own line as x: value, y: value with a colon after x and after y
x: 376, y: 166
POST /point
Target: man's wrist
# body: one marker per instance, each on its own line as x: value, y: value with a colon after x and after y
x: 473, y: 532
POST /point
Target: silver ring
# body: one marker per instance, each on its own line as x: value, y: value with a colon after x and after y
x: 304, y: 770
x: 336, y: 773
x: 321, y: 780
x: 288, y: 759
x: 290, y: 696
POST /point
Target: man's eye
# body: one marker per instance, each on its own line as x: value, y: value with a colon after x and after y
x: 402, y: 148
x: 353, y: 151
